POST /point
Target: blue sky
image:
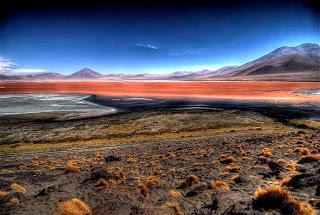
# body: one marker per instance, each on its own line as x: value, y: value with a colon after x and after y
x: 158, y: 40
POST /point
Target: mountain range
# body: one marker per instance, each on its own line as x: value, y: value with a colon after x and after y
x: 298, y: 63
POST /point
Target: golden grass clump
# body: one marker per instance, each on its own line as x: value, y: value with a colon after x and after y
x: 147, y: 186
x: 18, y: 188
x: 14, y: 201
x: 73, y: 207
x: 152, y: 181
x: 227, y: 159
x: 233, y: 168
x: 3, y: 194
x: 302, y: 150
x: 278, y: 198
x: 266, y: 152
x: 309, y: 158
x: 191, y: 180
x: 219, y: 185
x: 144, y: 189
x: 175, y: 207
x: 175, y: 193
x: 70, y: 167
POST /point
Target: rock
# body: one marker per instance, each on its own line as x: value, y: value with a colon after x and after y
x: 318, y: 191
x: 99, y: 172
x: 275, y: 167
x: 5, y: 185
x: 46, y: 190
x: 196, y: 191
x: 304, y: 180
x: 240, y: 180
x: 112, y: 158
x: 230, y: 203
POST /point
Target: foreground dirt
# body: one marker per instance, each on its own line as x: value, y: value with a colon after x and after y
x: 262, y: 91
x: 177, y: 162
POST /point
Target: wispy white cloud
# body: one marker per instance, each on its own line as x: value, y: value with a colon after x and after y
x: 9, y: 67
x: 147, y: 46
x: 189, y: 52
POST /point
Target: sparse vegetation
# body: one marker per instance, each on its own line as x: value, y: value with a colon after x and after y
x: 73, y: 207
x: 278, y: 198
x: 175, y: 193
x: 219, y: 185
x: 175, y: 207
x: 3, y: 194
x: 309, y: 158
x: 266, y: 152
x: 70, y: 167
x: 227, y: 159
x: 18, y: 188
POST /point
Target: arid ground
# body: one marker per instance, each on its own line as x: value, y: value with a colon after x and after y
x: 165, y: 156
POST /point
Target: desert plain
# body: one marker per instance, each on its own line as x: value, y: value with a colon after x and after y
x: 169, y: 148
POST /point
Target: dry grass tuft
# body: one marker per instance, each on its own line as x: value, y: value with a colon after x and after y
x: 191, y: 180
x: 152, y: 181
x: 309, y: 158
x: 14, y: 201
x: 175, y: 207
x: 227, y: 159
x: 175, y: 193
x: 18, y: 188
x: 144, y: 189
x: 70, y: 167
x: 219, y: 185
x: 233, y: 168
x: 3, y: 194
x: 148, y: 184
x: 73, y: 207
x: 302, y: 150
x: 266, y: 152
x: 278, y: 198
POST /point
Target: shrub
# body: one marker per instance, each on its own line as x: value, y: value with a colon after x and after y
x: 175, y: 193
x: 18, y: 188
x: 227, y: 160
x: 14, y: 201
x: 144, y: 189
x: 266, y: 152
x: 219, y: 185
x: 175, y: 206
x: 278, y: 198
x: 70, y: 167
x: 233, y: 168
x: 73, y: 207
x: 302, y: 150
x: 3, y: 194
x: 152, y: 181
x: 309, y: 158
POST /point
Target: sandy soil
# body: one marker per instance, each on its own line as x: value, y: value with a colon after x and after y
x: 263, y: 91
x: 161, y: 161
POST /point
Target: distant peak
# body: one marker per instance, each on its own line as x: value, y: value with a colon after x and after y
x: 87, y: 68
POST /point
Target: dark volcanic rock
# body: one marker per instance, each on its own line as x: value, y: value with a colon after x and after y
x: 99, y: 172
x: 196, y: 191
x: 5, y: 185
x: 304, y: 180
x: 275, y: 167
x: 230, y: 203
x: 318, y: 190
x: 112, y: 158
x: 47, y: 190
x: 240, y: 180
